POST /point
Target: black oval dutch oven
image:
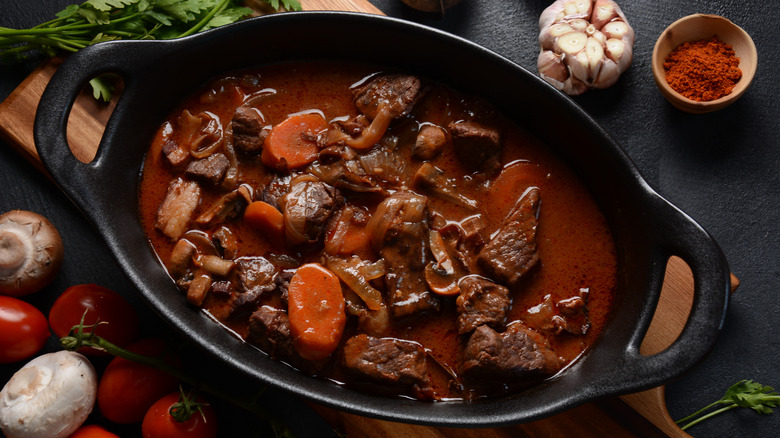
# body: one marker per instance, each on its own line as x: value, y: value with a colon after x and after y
x: 159, y: 74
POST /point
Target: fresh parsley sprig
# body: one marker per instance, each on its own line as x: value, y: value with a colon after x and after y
x: 94, y: 21
x: 743, y: 394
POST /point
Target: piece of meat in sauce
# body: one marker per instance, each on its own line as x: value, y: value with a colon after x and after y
x: 307, y: 207
x: 248, y: 133
x: 481, y: 302
x: 269, y: 329
x: 209, y: 170
x: 397, y: 93
x: 255, y: 277
x: 275, y: 189
x: 176, y: 210
x: 516, y: 353
x: 387, y: 360
x: 566, y: 315
x: 511, y: 253
x: 399, y: 232
x: 174, y: 153
x: 477, y: 146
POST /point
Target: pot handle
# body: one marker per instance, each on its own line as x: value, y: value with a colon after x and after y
x: 122, y: 58
x: 677, y: 234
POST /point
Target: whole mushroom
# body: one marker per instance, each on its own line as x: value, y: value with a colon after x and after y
x: 50, y: 397
x: 31, y: 252
x: 584, y: 44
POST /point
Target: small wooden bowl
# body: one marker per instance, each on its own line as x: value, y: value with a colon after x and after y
x: 701, y: 27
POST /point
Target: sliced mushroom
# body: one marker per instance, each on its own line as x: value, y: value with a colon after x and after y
x: 229, y: 206
x: 31, y: 252
x: 431, y: 139
x: 432, y: 179
x: 442, y: 277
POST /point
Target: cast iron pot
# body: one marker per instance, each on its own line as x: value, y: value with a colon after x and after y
x: 159, y: 74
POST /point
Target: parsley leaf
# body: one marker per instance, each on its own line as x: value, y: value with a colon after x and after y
x: 94, y: 21
x: 743, y: 394
x: 101, y: 88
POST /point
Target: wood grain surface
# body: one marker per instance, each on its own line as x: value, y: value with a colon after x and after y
x: 613, y: 417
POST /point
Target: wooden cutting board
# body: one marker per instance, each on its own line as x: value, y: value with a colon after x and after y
x: 640, y: 414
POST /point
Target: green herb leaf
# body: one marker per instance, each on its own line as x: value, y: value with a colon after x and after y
x: 102, y: 88
x: 230, y: 15
x: 94, y: 21
x: 67, y: 12
x: 107, y: 5
x: 743, y: 394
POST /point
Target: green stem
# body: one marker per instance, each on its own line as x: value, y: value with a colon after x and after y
x: 78, y: 338
x: 710, y: 406
x: 711, y: 414
x: 199, y: 25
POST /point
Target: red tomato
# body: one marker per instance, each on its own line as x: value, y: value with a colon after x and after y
x: 92, y: 431
x: 127, y: 389
x: 101, y: 304
x: 23, y: 330
x: 158, y: 422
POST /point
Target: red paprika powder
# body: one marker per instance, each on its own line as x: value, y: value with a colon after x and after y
x: 703, y: 70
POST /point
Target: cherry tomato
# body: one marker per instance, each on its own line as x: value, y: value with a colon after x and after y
x: 23, y: 330
x: 158, y: 422
x: 121, y: 320
x: 127, y: 389
x: 92, y: 431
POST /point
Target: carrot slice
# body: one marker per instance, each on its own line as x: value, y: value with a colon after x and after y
x: 266, y: 218
x: 291, y: 144
x: 316, y: 311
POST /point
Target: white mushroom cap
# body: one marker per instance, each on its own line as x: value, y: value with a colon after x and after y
x: 31, y: 252
x: 50, y: 397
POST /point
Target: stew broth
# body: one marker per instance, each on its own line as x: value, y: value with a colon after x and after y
x: 558, y: 307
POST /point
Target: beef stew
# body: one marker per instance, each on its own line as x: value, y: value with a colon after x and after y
x: 471, y: 261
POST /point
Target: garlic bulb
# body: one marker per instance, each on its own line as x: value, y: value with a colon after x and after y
x: 584, y: 44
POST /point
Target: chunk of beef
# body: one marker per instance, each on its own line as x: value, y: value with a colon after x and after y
x: 397, y: 93
x: 176, y: 210
x: 269, y: 329
x: 275, y: 190
x: 430, y: 140
x: 481, y: 302
x: 307, y: 208
x: 175, y: 153
x: 256, y: 276
x: 477, y: 146
x: 512, y: 251
x: 567, y: 315
x: 386, y: 360
x: 248, y: 132
x: 209, y: 170
x: 516, y: 353
x: 399, y: 231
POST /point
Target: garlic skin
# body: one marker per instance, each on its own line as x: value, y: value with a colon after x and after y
x: 584, y: 44
x: 49, y: 397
